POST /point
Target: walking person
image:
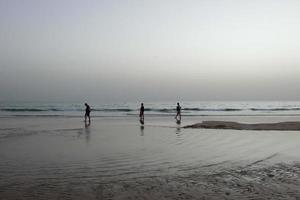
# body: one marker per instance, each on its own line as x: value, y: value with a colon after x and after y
x: 142, y: 109
x: 87, y: 113
x: 178, y: 113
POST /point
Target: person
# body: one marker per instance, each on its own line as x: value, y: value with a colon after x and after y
x: 142, y: 109
x: 87, y: 112
x: 178, y: 114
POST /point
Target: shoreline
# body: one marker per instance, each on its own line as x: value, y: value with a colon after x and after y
x: 279, y: 126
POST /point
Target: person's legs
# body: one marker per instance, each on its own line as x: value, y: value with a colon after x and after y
x: 89, y: 117
x: 178, y: 115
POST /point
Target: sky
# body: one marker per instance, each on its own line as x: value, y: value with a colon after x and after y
x: 149, y: 50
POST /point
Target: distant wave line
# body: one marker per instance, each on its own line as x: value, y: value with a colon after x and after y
x: 274, y: 109
x: 30, y: 109
x: 163, y: 110
x: 160, y: 110
x: 149, y: 115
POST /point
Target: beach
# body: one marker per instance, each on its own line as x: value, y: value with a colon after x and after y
x: 46, y: 157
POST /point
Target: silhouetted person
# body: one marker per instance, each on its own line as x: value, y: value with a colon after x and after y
x: 87, y: 112
x: 178, y: 112
x: 142, y: 109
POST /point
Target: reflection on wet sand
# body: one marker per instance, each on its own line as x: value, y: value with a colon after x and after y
x: 142, y: 130
x: 87, y: 131
x: 178, y: 130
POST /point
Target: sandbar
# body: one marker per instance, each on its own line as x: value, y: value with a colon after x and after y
x: 283, y: 126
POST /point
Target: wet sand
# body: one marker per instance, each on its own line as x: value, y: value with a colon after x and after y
x: 256, y: 181
x: 60, y: 158
x: 281, y: 126
x: 280, y: 181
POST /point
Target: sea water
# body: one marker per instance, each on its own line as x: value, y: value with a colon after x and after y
x: 211, y: 108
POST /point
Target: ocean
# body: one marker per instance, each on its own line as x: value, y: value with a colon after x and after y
x: 222, y: 108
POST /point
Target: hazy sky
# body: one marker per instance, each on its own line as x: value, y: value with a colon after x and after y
x: 140, y: 50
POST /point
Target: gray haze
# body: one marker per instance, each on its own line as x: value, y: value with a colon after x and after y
x: 134, y: 50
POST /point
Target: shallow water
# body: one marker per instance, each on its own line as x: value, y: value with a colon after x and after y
x: 40, y: 155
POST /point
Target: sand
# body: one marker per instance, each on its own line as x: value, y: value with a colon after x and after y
x: 280, y: 181
x: 61, y: 158
x: 283, y: 126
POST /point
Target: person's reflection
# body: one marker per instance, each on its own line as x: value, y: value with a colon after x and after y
x: 178, y: 130
x: 142, y: 130
x: 87, y: 131
x: 87, y: 124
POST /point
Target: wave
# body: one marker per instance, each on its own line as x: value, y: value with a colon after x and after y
x: 29, y: 109
x: 274, y: 109
x: 149, y: 115
x: 165, y: 110
x: 114, y: 110
x: 157, y: 110
x: 212, y: 109
x: 61, y: 110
